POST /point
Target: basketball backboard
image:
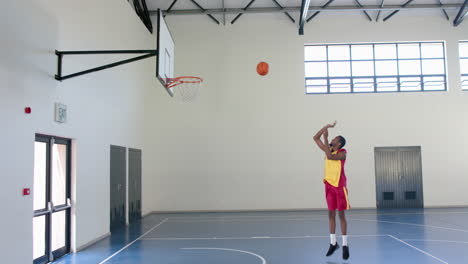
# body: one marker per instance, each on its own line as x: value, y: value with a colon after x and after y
x: 165, y: 59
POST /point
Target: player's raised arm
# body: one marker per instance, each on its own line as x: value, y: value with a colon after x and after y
x: 317, y: 139
x: 328, y: 151
x: 323, y: 146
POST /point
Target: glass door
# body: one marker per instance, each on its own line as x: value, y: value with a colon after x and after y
x: 52, y: 198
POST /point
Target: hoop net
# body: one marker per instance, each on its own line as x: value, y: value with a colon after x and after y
x: 184, y: 88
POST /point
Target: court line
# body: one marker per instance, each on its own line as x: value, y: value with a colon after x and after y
x: 402, y: 223
x: 122, y: 249
x: 253, y: 237
x: 294, y: 216
x: 230, y: 249
x: 420, y: 250
x: 326, y: 219
x: 248, y: 220
x: 434, y: 240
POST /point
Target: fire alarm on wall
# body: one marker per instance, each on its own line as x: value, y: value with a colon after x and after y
x: 26, y: 191
x: 27, y: 110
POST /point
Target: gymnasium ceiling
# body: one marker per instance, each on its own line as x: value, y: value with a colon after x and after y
x: 300, y: 12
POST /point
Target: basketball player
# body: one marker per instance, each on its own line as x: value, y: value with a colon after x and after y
x: 335, y: 186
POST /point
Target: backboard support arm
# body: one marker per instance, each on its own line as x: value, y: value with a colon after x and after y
x: 61, y: 54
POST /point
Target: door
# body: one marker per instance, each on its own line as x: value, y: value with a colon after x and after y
x: 118, y: 187
x: 51, y: 198
x: 134, y: 184
x: 398, y: 175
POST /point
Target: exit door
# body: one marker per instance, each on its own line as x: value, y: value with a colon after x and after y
x: 51, y: 198
x: 398, y: 175
x: 118, y: 187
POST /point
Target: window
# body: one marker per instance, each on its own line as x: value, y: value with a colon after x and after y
x: 377, y: 67
x: 463, y: 50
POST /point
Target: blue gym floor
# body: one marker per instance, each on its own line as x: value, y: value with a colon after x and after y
x: 375, y: 236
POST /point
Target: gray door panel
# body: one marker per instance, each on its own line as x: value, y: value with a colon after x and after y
x: 398, y: 173
x: 134, y: 188
x: 117, y: 186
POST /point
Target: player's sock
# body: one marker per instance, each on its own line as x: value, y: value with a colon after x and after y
x: 345, y: 240
x: 333, y: 239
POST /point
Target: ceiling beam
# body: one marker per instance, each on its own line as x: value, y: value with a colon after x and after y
x: 304, y: 9
x: 443, y: 10
x: 318, y: 12
x: 461, y: 14
x: 241, y: 13
x: 286, y: 13
x: 171, y: 6
x: 203, y: 10
x: 224, y: 15
x: 311, y: 9
x: 364, y: 11
x: 396, y: 11
x: 378, y: 13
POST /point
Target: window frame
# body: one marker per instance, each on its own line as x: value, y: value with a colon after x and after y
x: 397, y: 83
x: 463, y: 74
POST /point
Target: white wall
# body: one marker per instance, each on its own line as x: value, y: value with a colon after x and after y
x: 104, y: 108
x: 247, y: 142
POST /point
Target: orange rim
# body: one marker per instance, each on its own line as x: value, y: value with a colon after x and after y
x: 171, y: 82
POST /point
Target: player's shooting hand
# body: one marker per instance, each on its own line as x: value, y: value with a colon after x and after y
x: 332, y: 125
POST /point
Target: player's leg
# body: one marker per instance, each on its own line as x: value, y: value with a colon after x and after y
x: 332, y: 206
x: 343, y: 204
x: 332, y: 221
x: 344, y: 232
x: 343, y: 223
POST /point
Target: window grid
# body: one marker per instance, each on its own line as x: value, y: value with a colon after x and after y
x: 463, y: 45
x: 398, y: 68
x: 375, y: 68
x: 328, y: 74
x: 439, y: 80
x: 445, y: 67
x: 421, y: 65
x: 351, y: 84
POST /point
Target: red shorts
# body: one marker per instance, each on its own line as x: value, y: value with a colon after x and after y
x: 337, y: 197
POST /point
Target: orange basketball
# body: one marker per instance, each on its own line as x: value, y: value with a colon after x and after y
x: 262, y: 68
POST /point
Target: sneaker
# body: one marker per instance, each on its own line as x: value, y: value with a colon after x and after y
x: 332, y: 249
x: 345, y: 252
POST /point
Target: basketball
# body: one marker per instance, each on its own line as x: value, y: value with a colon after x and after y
x: 262, y: 68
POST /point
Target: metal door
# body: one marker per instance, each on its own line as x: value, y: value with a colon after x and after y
x: 134, y: 187
x: 117, y: 186
x: 398, y: 176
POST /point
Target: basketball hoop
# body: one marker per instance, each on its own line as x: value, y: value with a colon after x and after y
x: 185, y: 88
